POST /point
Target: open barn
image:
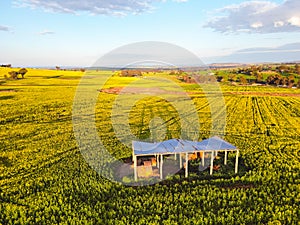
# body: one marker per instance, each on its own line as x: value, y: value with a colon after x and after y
x: 183, y: 150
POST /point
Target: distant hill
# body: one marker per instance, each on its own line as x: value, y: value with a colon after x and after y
x: 227, y: 65
x: 281, y: 54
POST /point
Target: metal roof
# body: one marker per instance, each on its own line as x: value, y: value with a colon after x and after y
x: 180, y: 146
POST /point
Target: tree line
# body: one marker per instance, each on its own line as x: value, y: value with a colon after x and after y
x: 282, y: 75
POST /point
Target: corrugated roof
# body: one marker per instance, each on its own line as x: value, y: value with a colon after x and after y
x: 180, y: 146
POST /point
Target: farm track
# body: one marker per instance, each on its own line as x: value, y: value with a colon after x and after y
x: 265, y: 94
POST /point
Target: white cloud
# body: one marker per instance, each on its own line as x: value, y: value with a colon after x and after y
x: 96, y: 7
x: 46, y: 32
x: 278, y: 24
x: 4, y: 28
x: 294, y: 21
x: 258, y: 17
x: 257, y: 25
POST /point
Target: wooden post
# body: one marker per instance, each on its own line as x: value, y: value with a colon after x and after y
x: 175, y: 157
x: 236, y: 161
x: 186, y: 164
x: 202, y: 158
x: 157, y: 161
x: 211, y: 162
x: 225, y: 158
x: 180, y: 160
x: 161, y: 166
x: 135, y: 168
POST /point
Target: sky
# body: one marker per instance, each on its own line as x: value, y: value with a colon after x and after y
x: 40, y: 33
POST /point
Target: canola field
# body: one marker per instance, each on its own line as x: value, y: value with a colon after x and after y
x: 45, y: 180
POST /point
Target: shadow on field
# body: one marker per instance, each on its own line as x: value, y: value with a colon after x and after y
x: 6, y: 97
x: 50, y: 77
x: 223, y: 175
x: 5, y: 161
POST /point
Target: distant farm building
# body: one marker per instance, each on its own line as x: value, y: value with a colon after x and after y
x: 131, y: 73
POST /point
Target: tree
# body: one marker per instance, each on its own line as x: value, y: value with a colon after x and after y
x: 243, y: 80
x: 13, y: 75
x: 23, y: 71
x: 253, y: 70
x: 258, y: 76
x: 278, y: 80
x: 275, y: 80
x: 220, y: 78
x: 270, y: 79
x: 291, y: 81
x: 232, y: 77
x: 297, y: 68
x: 283, y: 81
x: 282, y: 68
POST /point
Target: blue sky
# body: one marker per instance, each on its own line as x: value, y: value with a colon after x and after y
x: 77, y: 33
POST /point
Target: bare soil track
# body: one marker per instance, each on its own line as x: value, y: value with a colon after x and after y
x: 266, y: 94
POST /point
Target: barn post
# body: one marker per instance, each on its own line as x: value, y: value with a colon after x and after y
x: 211, y: 162
x: 202, y: 158
x: 236, y: 161
x: 161, y: 166
x: 225, y: 158
x: 135, y: 168
x: 186, y: 164
x: 180, y: 160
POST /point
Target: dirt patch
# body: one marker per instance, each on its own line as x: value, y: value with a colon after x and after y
x: 112, y: 90
x: 7, y: 90
x: 140, y: 90
x: 158, y: 90
x: 266, y: 94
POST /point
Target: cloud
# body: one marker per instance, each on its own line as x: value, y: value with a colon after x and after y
x: 96, y: 7
x: 4, y: 28
x: 295, y: 21
x: 257, y: 17
x: 46, y: 32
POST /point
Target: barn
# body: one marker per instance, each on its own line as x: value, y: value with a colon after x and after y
x: 182, y: 150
